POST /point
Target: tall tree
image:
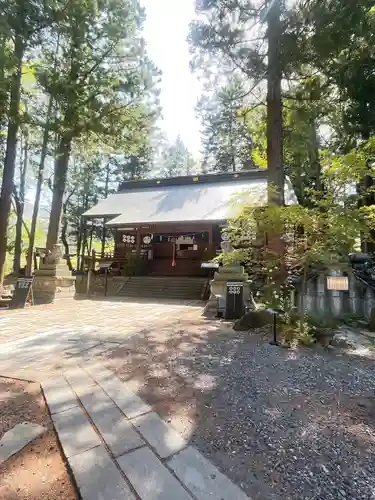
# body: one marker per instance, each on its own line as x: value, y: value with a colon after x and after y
x: 99, y: 84
x: 133, y: 166
x: 248, y: 37
x: 19, y: 197
x: 175, y: 159
x: 275, y: 160
x: 21, y: 26
x: 226, y: 141
x: 337, y: 38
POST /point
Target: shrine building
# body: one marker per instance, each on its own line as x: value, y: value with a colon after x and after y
x: 168, y: 227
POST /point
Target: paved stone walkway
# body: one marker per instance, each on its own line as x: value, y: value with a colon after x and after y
x: 39, y: 341
x: 119, y: 449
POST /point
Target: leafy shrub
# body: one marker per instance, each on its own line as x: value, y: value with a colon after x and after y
x: 296, y: 330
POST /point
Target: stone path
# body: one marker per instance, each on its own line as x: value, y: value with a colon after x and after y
x: 39, y: 341
x: 119, y: 449
x: 17, y: 438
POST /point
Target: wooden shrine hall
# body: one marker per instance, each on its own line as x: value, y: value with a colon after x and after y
x: 168, y: 227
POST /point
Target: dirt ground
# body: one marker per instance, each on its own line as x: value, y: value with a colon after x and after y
x: 38, y: 470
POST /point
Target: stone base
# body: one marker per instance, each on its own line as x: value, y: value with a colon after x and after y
x: 219, y: 286
x: 46, y: 289
x: 211, y: 308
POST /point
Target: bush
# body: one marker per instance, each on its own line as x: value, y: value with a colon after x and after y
x: 295, y: 331
x: 319, y: 322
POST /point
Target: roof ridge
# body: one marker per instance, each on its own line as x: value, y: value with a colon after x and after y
x: 186, y: 180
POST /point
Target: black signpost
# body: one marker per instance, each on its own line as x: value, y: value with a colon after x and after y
x: 234, y: 308
x: 105, y: 265
x: 22, y: 292
x: 275, y: 313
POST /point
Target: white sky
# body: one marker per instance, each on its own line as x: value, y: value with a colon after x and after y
x: 165, y: 31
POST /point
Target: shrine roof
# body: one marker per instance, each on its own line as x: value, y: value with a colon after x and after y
x: 195, y: 198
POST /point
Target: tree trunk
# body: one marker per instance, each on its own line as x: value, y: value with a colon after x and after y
x: 65, y: 143
x: 10, y: 155
x: 232, y: 155
x: 79, y: 242
x: 20, y: 203
x: 18, y: 238
x: 367, y: 199
x: 39, y: 185
x: 3, y: 87
x: 275, y: 108
x: 83, y: 241
x: 106, y: 189
x: 65, y: 241
x: 59, y: 184
x: 79, y: 255
x: 83, y: 249
x: 315, y: 158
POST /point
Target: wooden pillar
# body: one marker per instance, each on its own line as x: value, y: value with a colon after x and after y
x: 103, y: 236
x: 90, y: 271
x: 210, y: 238
x: 138, y: 242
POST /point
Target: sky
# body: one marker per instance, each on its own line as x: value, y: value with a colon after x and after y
x: 165, y: 31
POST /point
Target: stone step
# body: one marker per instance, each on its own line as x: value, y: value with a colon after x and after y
x: 178, y: 288
x: 4, y: 302
x: 169, y: 295
x: 161, y: 289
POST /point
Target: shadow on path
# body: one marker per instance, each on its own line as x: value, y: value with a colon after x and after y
x: 280, y: 423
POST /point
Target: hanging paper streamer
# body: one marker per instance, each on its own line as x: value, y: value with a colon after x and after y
x: 174, y: 255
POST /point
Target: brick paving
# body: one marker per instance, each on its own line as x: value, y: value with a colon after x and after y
x: 115, y: 455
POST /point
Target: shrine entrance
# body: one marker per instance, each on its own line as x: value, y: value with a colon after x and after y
x: 166, y: 251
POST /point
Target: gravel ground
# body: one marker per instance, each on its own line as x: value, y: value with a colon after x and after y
x: 37, y: 471
x: 283, y: 424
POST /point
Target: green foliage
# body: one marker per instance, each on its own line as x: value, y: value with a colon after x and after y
x: 89, y: 61
x: 339, y: 42
x: 226, y: 141
x: 295, y: 330
x: 221, y: 36
x: 318, y: 322
x: 40, y: 237
x: 315, y: 237
x: 101, y: 77
x: 175, y: 159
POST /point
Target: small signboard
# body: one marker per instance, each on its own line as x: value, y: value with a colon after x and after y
x: 234, y: 308
x: 210, y: 265
x: 338, y: 283
x: 22, y: 292
x: 105, y: 264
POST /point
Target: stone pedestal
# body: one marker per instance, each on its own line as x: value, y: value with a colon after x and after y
x: 52, y: 278
x: 218, y: 285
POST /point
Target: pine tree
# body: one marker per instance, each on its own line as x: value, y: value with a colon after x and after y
x: 22, y: 25
x: 175, y: 159
x: 248, y: 36
x: 99, y: 84
x: 226, y: 141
